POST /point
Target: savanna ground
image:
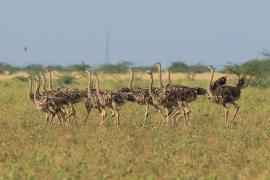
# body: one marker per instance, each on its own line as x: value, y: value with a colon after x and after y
x: 158, y: 151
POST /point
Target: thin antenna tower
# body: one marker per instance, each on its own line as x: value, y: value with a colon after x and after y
x: 107, y: 47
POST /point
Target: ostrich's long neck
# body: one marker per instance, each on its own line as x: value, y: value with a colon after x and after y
x: 36, y: 95
x: 169, y: 77
x: 160, y: 77
x: 91, y: 81
x: 30, y: 94
x: 50, y: 81
x: 131, y: 80
x: 89, y: 88
x: 97, y: 86
x: 151, y: 87
x: 45, y: 82
x: 210, y: 81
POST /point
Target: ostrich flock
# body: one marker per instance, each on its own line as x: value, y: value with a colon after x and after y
x: 171, y: 101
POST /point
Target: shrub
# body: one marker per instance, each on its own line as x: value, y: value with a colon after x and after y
x: 65, y: 80
x: 115, y: 68
x: 179, y: 66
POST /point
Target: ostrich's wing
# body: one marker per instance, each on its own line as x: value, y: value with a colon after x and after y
x: 228, y: 93
x: 220, y: 82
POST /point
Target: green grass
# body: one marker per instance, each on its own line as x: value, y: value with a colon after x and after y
x: 210, y: 151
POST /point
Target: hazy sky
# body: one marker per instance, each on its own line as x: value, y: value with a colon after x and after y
x: 143, y: 31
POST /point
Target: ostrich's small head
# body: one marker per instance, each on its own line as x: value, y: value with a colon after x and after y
x: 87, y: 72
x: 94, y: 73
x: 149, y: 72
x: 210, y: 66
x: 158, y: 64
x: 130, y: 69
x: 46, y: 69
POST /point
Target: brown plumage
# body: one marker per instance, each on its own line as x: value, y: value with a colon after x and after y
x: 71, y: 95
x: 184, y: 94
x: 110, y: 99
x: 49, y: 104
x: 222, y: 94
x: 139, y: 95
x: 165, y: 98
x: 92, y: 100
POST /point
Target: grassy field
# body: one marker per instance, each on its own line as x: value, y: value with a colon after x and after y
x: 210, y: 151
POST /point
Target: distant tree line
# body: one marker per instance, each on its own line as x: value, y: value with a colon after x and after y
x: 121, y: 67
x: 257, y: 69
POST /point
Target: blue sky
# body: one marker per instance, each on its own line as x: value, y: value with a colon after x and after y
x: 142, y: 31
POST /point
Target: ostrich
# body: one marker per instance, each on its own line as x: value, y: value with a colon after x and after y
x: 167, y: 98
x: 55, y: 93
x: 49, y: 104
x: 126, y: 92
x: 222, y: 94
x: 109, y: 99
x: 92, y: 100
x: 186, y: 94
x: 141, y: 96
x: 72, y: 95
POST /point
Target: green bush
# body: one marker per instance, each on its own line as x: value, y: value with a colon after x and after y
x: 20, y: 78
x: 115, y: 68
x: 65, y: 80
x: 33, y: 68
x: 260, y: 82
x: 179, y: 66
x: 78, y: 67
x: 257, y: 69
x: 7, y: 67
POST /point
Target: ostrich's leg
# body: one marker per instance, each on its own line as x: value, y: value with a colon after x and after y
x: 159, y: 110
x: 73, y: 111
x: 116, y: 112
x: 46, y: 119
x: 59, y: 118
x: 174, y: 113
x: 236, y: 106
x: 146, y: 113
x: 167, y: 115
x: 52, y: 117
x: 179, y: 111
x: 61, y: 114
x: 187, y: 111
x: 226, y: 112
x: 181, y: 107
x: 112, y: 115
x: 87, y: 115
x: 100, y: 109
x: 103, y: 116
